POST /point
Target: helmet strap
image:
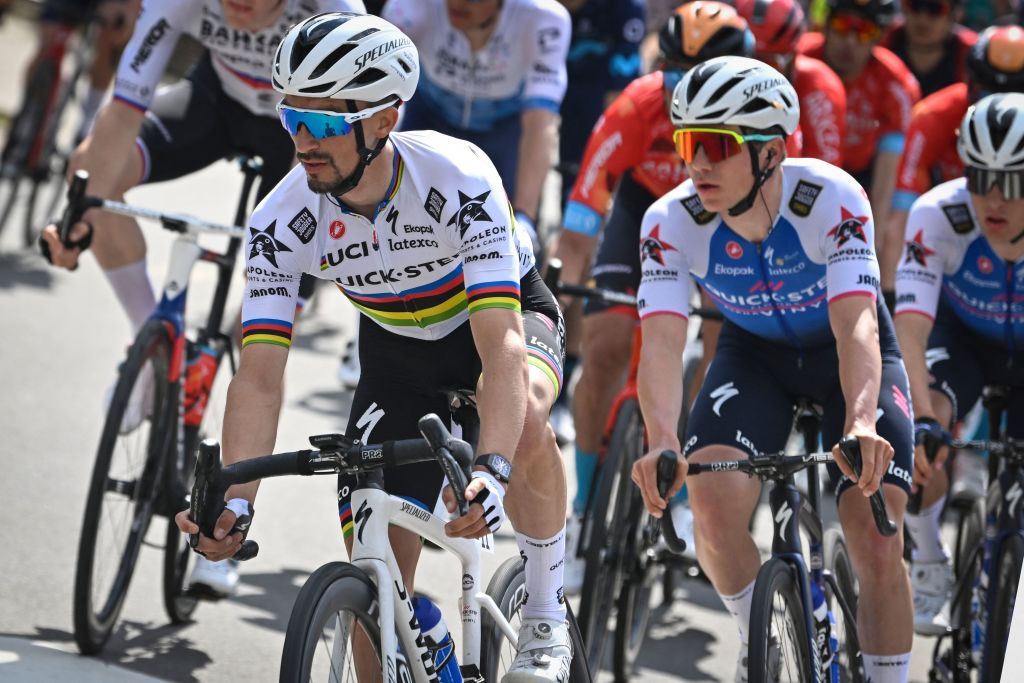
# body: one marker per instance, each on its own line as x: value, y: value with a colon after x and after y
x: 366, y: 155
x: 760, y: 176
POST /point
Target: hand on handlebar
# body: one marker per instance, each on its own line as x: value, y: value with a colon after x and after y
x: 65, y: 256
x: 228, y: 534
x: 928, y: 435
x: 876, y: 454
x: 486, y: 513
x: 645, y: 476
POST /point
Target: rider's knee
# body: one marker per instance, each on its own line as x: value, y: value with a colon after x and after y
x: 606, y: 344
x: 537, y: 434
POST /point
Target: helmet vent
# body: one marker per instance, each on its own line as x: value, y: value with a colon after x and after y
x: 362, y: 34
x: 371, y: 75
x: 726, y: 87
x: 330, y: 60
x: 317, y: 89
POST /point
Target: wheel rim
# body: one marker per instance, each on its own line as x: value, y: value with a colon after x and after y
x: 785, y: 635
x: 334, y: 653
x: 507, y: 650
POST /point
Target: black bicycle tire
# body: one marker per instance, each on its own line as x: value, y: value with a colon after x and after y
x: 334, y: 587
x: 507, y: 585
x: 689, y: 376
x: 600, y: 573
x: 775, y: 577
x: 92, y: 630
x: 1003, y: 582
x: 838, y: 562
x: 970, y: 539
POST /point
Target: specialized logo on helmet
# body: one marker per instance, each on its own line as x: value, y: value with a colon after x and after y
x: 917, y: 251
x: 471, y: 210
x: 382, y: 49
x: 265, y: 244
x: 850, y: 226
x: 652, y: 246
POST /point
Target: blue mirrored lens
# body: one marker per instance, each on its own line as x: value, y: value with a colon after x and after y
x: 319, y: 124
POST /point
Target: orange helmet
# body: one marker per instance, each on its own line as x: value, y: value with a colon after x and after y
x: 777, y: 24
x: 700, y: 30
x: 996, y: 62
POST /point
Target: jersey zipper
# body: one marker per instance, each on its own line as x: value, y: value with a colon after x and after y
x: 786, y: 329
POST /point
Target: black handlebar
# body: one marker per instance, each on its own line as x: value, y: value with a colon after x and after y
x: 849, y: 446
x: 77, y: 206
x: 931, y: 444
x: 337, y: 454
x: 666, y: 475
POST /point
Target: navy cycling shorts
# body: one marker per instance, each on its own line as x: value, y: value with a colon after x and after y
x: 963, y: 363
x: 402, y: 379
x: 751, y: 389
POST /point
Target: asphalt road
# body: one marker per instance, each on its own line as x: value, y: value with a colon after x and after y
x: 65, y: 336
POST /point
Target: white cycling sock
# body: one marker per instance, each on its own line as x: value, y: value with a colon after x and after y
x: 925, y: 533
x: 545, y: 565
x: 739, y: 607
x: 887, y: 668
x: 90, y: 106
x: 135, y: 292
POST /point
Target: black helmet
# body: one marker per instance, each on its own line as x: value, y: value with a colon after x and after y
x: 700, y: 30
x: 996, y: 62
x: 882, y: 12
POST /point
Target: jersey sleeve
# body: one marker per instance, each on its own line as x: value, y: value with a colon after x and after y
x: 930, y: 126
x: 145, y: 57
x: 823, y: 114
x: 614, y: 146
x: 919, y: 273
x: 482, y: 228
x: 624, y: 62
x: 546, y: 79
x: 901, y: 93
x: 275, y: 259
x: 851, y: 266
x: 664, y: 265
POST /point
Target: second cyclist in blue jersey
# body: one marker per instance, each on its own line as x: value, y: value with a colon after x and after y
x: 785, y: 248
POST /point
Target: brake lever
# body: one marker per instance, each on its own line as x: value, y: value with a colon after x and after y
x: 667, y: 464
x: 207, y: 502
x: 849, y: 446
x: 440, y: 441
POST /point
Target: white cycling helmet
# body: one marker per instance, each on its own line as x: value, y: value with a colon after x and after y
x: 992, y: 133
x: 346, y: 56
x: 735, y: 91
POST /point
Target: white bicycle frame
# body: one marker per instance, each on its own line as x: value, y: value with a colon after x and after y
x: 373, y: 511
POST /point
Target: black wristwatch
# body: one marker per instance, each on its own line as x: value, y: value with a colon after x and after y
x: 496, y: 464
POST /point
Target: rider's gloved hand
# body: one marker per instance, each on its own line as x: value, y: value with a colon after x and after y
x: 54, y: 250
x: 231, y: 529
x: 487, y: 511
x: 928, y: 436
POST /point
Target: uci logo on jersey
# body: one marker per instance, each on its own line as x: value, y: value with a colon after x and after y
x: 470, y: 211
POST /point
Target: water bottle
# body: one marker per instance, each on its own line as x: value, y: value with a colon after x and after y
x: 823, y: 639
x: 200, y: 369
x: 439, y: 640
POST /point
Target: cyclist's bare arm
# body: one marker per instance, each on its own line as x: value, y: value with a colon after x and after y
x: 501, y: 401
x: 540, y: 136
x: 660, y: 389
x: 883, y: 184
x: 892, y: 247
x: 574, y: 250
x: 250, y: 430
x: 854, y: 321
x: 912, y: 330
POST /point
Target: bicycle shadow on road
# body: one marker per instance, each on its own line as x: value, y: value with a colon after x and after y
x: 277, y: 593
x: 24, y: 269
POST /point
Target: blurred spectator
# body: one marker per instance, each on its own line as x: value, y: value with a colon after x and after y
x: 931, y: 43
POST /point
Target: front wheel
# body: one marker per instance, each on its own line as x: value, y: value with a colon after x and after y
x: 508, y: 590
x: 633, y: 607
x: 333, y: 631
x: 779, y: 647
x: 841, y: 593
x: 124, y: 488
x: 1003, y: 588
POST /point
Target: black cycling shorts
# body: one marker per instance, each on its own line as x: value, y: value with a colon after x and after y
x: 616, y: 263
x: 66, y: 12
x: 402, y: 379
x: 963, y: 363
x: 752, y: 386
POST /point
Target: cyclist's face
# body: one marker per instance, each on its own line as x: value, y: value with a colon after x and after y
x: 1001, y: 219
x: 848, y: 44
x: 329, y: 161
x: 928, y: 22
x: 723, y: 184
x: 250, y: 15
x: 469, y: 14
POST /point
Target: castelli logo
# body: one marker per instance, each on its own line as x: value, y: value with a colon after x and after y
x: 734, y: 250
x: 337, y: 230
x: 984, y: 264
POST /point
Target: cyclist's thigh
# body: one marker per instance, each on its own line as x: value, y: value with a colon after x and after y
x: 617, y: 258
x: 401, y: 381
x: 741, y: 403
x: 545, y: 347
x: 999, y: 366
x: 953, y: 362
x: 184, y: 129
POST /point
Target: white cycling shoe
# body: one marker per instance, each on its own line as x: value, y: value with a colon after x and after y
x: 214, y: 580
x: 932, y: 583
x: 348, y: 369
x: 140, y: 403
x: 545, y: 653
x: 774, y: 659
x: 572, y: 575
x: 682, y: 522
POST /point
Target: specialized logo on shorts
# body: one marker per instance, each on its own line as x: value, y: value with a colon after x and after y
x: 734, y: 249
x: 935, y: 355
x: 303, y: 225
x: 985, y: 265
x: 265, y: 244
x: 695, y: 208
x: 723, y: 394
x: 917, y: 251
x: 652, y: 246
x: 849, y: 227
x: 804, y: 197
x: 959, y: 216
x: 368, y: 420
x: 470, y: 211
x: 337, y: 230
x: 435, y: 204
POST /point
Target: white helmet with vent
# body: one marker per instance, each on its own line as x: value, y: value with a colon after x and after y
x: 346, y: 56
x: 735, y: 91
x: 992, y: 133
